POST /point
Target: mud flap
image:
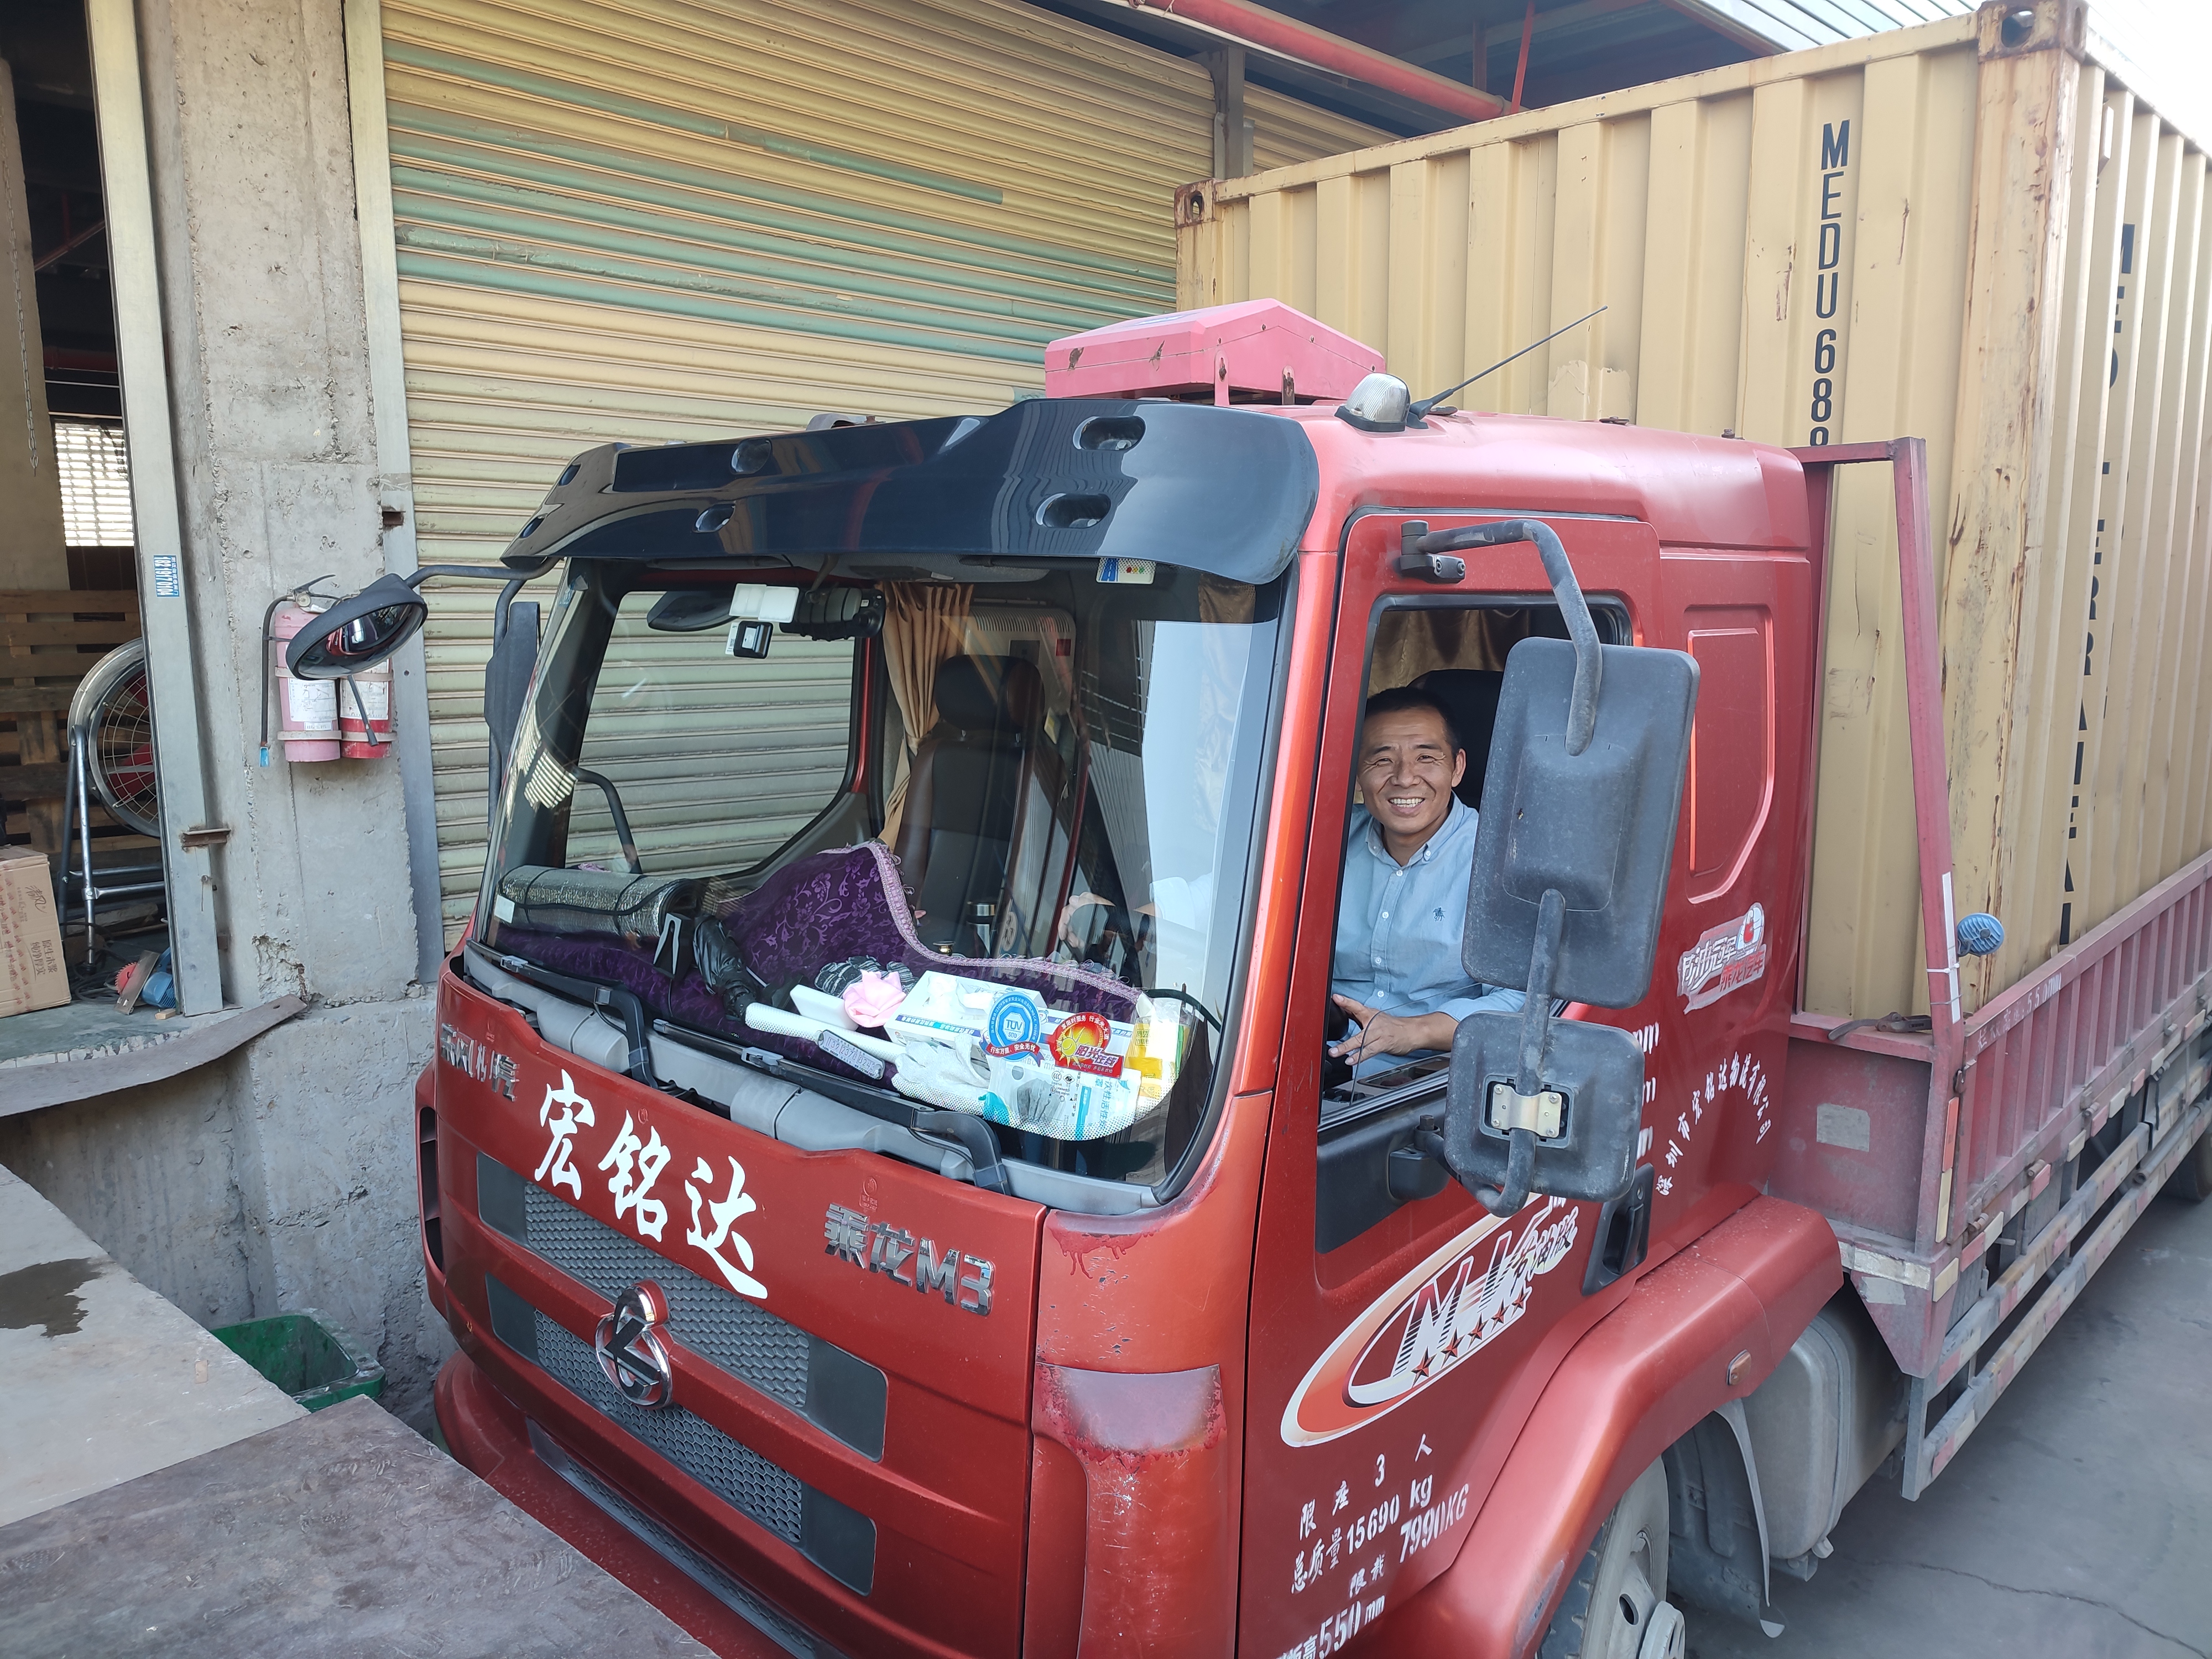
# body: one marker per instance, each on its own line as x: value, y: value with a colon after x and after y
x: 1716, y: 1552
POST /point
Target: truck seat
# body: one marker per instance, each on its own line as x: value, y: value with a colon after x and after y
x: 969, y: 773
x: 1470, y: 697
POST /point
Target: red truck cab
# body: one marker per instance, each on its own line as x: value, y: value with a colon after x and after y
x: 820, y: 1371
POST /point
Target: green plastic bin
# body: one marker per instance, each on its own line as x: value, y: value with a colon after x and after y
x: 307, y: 1355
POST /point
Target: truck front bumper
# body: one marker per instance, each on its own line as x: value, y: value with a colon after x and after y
x: 489, y: 1435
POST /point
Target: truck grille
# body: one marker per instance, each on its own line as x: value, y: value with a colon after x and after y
x: 741, y: 1477
x: 842, y: 1394
x: 839, y: 1540
x: 742, y: 1337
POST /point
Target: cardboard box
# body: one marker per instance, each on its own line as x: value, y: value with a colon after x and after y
x: 32, y: 973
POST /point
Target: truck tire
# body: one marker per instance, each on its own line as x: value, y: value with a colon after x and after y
x: 1617, y: 1607
x: 2191, y: 1180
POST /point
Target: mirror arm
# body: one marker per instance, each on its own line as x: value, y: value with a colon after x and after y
x: 502, y: 697
x: 506, y: 597
x: 488, y: 573
x: 1535, y: 1038
x: 1543, y: 969
x: 1582, y: 707
x: 1520, y: 1169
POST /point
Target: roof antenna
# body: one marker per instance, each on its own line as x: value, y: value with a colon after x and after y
x: 1427, y: 404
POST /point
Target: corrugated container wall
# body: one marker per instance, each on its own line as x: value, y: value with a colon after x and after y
x: 1968, y: 232
x: 650, y: 219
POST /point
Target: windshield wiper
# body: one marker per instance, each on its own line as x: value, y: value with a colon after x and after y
x: 969, y: 1134
x: 974, y: 1137
x: 623, y: 1008
x: 861, y: 1097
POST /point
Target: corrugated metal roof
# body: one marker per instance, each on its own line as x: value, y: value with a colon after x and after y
x: 1792, y: 25
x: 2160, y: 49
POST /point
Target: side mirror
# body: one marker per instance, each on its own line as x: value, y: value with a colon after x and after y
x: 359, y: 632
x: 508, y: 673
x: 1579, y: 808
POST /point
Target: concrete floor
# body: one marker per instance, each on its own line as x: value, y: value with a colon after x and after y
x: 2075, y: 1523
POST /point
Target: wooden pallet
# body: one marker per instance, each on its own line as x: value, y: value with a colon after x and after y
x: 49, y: 640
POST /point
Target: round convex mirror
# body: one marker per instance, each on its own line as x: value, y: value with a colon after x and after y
x: 358, y: 633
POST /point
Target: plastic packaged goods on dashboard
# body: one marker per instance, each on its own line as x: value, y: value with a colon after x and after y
x: 1000, y: 1053
x: 820, y: 1004
x: 872, y: 998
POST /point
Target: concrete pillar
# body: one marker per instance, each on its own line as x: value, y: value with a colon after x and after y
x: 31, y: 552
x: 285, y: 1177
x: 276, y: 465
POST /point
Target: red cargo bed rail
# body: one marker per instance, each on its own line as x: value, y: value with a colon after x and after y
x: 1950, y: 1161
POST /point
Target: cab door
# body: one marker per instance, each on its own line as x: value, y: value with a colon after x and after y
x: 1398, y: 1340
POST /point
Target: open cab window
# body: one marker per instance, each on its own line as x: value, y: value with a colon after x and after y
x: 1456, y: 653
x: 971, y: 839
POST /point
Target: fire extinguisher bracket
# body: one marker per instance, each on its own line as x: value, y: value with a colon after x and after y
x: 307, y: 710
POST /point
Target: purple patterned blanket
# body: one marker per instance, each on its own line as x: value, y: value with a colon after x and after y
x: 824, y: 909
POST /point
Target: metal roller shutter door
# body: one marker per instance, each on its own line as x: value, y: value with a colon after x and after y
x: 1285, y: 131
x: 652, y: 220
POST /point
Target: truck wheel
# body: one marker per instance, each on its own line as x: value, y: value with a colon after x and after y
x: 1616, y: 1606
x: 2191, y: 1179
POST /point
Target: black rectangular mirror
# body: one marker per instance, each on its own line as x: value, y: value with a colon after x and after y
x: 1581, y: 1120
x: 1597, y: 827
x: 1580, y: 801
x: 508, y: 672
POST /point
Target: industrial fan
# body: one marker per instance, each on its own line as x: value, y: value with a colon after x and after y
x: 112, y: 719
x: 110, y: 725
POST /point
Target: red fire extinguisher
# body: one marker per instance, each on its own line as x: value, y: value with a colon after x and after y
x: 365, y: 712
x: 307, y: 710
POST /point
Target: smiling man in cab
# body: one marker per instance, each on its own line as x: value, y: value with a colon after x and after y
x: 1409, y: 853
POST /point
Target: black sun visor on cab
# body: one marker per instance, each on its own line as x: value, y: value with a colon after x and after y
x: 1224, y: 491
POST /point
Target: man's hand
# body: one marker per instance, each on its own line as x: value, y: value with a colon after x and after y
x: 1391, y: 1034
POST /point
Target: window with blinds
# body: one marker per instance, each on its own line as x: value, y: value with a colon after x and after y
x: 94, y: 465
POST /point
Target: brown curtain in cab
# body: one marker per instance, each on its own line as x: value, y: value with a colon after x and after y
x: 1411, y: 642
x: 924, y: 626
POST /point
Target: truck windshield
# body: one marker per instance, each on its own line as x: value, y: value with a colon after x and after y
x: 991, y: 833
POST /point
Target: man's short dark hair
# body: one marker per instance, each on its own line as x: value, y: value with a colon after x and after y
x: 1397, y: 699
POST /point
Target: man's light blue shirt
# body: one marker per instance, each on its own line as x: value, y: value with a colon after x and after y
x: 1398, y: 926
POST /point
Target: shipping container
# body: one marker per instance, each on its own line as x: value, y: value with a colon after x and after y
x: 1973, y: 231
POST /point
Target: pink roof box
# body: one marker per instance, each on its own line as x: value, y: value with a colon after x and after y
x: 1260, y: 349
